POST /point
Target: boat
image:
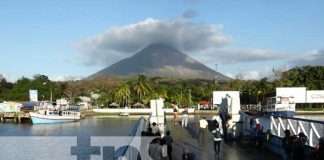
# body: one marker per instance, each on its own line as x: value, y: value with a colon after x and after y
x: 279, y: 106
x: 125, y: 112
x: 50, y: 116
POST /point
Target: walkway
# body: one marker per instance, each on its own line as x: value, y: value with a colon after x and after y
x: 187, y: 137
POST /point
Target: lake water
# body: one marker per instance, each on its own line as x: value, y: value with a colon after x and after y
x: 91, y: 126
x: 55, y: 141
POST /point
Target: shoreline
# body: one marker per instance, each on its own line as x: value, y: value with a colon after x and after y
x: 196, y: 112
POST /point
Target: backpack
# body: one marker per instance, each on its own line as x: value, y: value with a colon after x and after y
x: 218, y: 134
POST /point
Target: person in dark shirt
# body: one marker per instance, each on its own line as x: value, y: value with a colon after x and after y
x: 299, y: 147
x: 186, y: 155
x: 320, y: 149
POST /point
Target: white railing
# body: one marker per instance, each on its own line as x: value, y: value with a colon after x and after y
x: 245, y: 127
x: 136, y: 132
x: 311, y: 128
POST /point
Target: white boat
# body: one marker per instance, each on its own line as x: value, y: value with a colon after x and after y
x: 49, y: 116
x: 280, y: 106
x: 125, y: 112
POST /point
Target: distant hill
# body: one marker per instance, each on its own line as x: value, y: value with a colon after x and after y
x: 158, y: 60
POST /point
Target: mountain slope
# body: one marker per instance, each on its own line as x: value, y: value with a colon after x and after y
x: 163, y: 61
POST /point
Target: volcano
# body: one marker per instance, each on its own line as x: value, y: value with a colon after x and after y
x: 159, y: 60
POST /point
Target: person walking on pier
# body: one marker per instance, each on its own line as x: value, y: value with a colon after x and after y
x: 203, y: 126
x: 155, y: 149
x: 299, y: 147
x: 185, y: 115
x: 169, y: 141
x: 187, y: 155
x: 287, y: 142
x: 217, y: 132
x: 175, y: 113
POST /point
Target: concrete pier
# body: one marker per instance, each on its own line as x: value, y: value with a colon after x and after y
x: 235, y: 150
x: 16, y: 117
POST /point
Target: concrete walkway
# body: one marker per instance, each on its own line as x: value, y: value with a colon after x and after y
x: 187, y: 137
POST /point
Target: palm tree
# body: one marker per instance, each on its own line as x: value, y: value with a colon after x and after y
x: 122, y: 93
x: 142, y: 87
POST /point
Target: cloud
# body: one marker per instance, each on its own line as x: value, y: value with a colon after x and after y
x: 66, y: 78
x: 249, y: 75
x: 122, y: 41
x: 315, y: 58
x: 231, y: 55
x: 190, y: 14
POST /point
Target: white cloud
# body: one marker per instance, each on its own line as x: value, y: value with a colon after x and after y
x: 315, y: 57
x: 120, y: 42
x: 230, y: 55
x: 66, y: 78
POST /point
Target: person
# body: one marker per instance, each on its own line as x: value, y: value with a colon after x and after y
x: 164, y: 149
x: 169, y: 141
x: 187, y: 155
x: 185, y: 116
x: 203, y: 124
x: 216, y: 120
x: 287, y: 143
x: 258, y: 134
x: 230, y: 125
x: 299, y: 147
x: 320, y: 149
x: 155, y: 149
x: 217, y: 132
x: 155, y: 128
x: 175, y: 113
x: 149, y: 132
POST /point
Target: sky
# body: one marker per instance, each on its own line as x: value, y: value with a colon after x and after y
x: 76, y: 38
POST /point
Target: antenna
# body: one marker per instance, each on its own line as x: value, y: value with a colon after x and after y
x: 216, y: 79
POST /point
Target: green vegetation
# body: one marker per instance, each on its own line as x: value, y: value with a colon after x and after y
x: 142, y: 89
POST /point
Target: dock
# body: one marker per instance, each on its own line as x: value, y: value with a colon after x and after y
x: 16, y: 117
x: 233, y: 150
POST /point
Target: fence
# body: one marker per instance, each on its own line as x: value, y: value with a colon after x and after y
x: 313, y: 129
x: 136, y: 132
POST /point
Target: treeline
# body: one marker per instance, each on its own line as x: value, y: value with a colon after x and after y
x: 142, y: 89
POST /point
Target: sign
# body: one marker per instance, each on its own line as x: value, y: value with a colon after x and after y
x: 33, y: 95
x: 297, y: 94
x: 315, y: 96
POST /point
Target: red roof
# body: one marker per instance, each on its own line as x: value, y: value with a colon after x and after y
x: 203, y: 102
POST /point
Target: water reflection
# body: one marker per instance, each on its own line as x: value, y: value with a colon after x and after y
x: 92, y: 126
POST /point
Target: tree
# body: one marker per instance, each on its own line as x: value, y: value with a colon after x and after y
x: 122, y: 93
x: 142, y: 87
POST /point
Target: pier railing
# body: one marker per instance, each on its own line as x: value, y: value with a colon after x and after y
x: 129, y: 151
x: 311, y: 128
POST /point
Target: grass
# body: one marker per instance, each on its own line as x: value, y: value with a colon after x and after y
x: 309, y: 109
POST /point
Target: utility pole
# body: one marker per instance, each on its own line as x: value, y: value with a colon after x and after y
x: 216, y: 78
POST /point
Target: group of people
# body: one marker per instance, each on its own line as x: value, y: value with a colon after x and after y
x: 216, y: 131
x: 294, y: 146
x: 185, y: 115
x: 161, y: 148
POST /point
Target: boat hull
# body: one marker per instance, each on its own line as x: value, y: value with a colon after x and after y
x: 280, y: 113
x: 44, y: 119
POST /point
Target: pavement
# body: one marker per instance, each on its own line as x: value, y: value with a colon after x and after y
x: 233, y: 150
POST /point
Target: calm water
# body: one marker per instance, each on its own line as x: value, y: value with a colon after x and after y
x: 92, y: 126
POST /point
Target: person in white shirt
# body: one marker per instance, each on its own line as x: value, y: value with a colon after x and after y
x: 203, y: 127
x: 185, y: 115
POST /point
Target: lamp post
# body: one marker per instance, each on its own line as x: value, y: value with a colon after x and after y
x: 51, y: 91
